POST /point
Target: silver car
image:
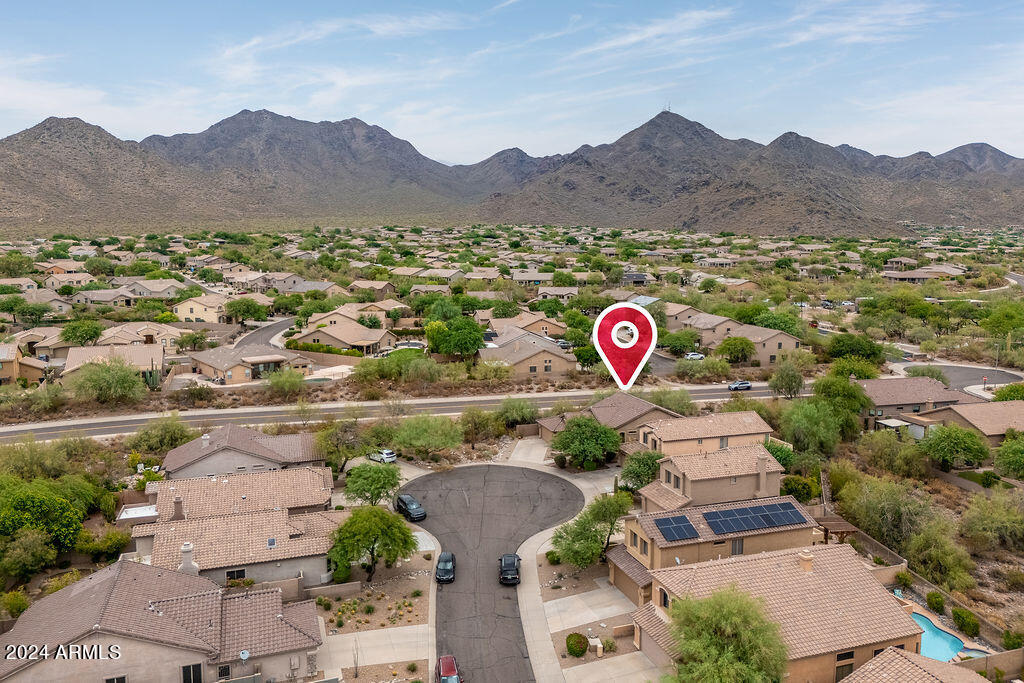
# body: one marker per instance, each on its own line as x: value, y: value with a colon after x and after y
x: 383, y: 455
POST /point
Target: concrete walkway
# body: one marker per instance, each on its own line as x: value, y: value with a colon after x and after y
x: 583, y: 608
x: 635, y: 667
x: 529, y: 450
x: 380, y: 646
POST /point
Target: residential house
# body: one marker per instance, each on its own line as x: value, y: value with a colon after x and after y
x: 56, y: 302
x: 57, y: 280
x: 896, y: 664
x: 449, y: 275
x: 60, y: 266
x: 120, y: 296
x: 563, y: 294
x: 430, y: 289
x: 704, y: 433
x: 531, y: 278
x: 769, y: 344
x: 306, y: 286
x: 345, y: 333
x: 901, y: 263
x: 712, y: 328
x: 912, y: 395
x: 656, y: 540
x: 24, y: 284
x: 156, y: 289
x: 14, y: 365
x: 382, y: 289
x: 140, y: 332
x: 147, y: 623
x: 676, y: 315
x: 148, y: 360
x: 529, y: 355
x: 484, y: 274
x: 621, y: 411
x: 246, y: 363
x: 636, y: 279
x: 990, y: 419
x: 832, y: 612
x: 531, y: 321
x: 207, y: 308
x: 232, y: 449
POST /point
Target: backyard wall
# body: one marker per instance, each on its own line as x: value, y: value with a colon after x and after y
x: 1010, y: 662
x: 336, y: 590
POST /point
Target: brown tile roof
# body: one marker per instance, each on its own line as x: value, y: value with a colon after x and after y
x: 911, y: 391
x: 648, y: 620
x: 288, y: 449
x: 894, y: 665
x: 139, y: 356
x: 989, y: 418
x: 613, y: 411
x: 735, y: 461
x: 710, y: 426
x: 225, y: 494
x: 227, y: 357
x: 837, y: 605
x: 629, y: 565
x: 646, y: 521
x: 241, y: 539
x: 664, y: 497
x: 758, y: 334
x: 707, y: 321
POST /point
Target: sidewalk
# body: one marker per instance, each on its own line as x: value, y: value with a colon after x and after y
x: 631, y: 668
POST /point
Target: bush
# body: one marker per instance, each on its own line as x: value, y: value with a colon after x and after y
x: 416, y: 593
x: 904, y: 580
x: 14, y: 602
x: 553, y: 557
x: 1012, y: 640
x: 841, y: 473
x: 783, y: 454
x: 798, y: 487
x: 928, y: 371
x: 321, y: 348
x: 286, y: 383
x: 936, y: 602
x: 989, y: 479
x: 111, y: 382
x: 576, y: 644
x: 609, y: 644
x: 707, y: 370
x: 517, y: 411
x: 560, y: 461
x: 411, y: 667
x: 966, y: 622
x: 160, y: 435
x: 62, y: 581
x: 369, y: 609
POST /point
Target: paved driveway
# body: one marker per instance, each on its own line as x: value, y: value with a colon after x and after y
x: 478, y: 513
x: 583, y: 608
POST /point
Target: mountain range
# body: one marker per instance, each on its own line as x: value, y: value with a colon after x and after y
x: 258, y: 168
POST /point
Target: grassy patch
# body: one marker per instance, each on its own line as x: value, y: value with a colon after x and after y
x: 976, y: 478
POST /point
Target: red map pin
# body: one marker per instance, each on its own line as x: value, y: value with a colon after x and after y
x: 625, y: 359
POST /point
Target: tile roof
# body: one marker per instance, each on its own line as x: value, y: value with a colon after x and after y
x: 139, y: 356
x: 911, y: 391
x: 613, y: 411
x: 663, y: 496
x: 837, y: 605
x: 284, y: 449
x: 226, y: 357
x: 236, y: 540
x: 646, y: 520
x: 289, y: 489
x: 707, y: 321
x: 990, y: 418
x: 758, y: 334
x: 735, y: 461
x: 710, y: 426
x: 649, y: 620
x: 629, y: 565
x: 894, y: 665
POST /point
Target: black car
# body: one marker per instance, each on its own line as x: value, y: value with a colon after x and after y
x: 508, y: 568
x: 409, y: 508
x: 445, y: 572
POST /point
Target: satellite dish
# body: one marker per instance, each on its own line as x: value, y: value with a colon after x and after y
x: 243, y: 655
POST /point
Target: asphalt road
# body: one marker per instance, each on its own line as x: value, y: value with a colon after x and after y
x: 961, y: 376
x: 263, y: 335
x: 246, y: 416
x: 479, y: 513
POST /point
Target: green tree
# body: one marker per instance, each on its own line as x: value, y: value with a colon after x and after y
x: 586, y: 356
x: 370, y: 321
x: 606, y: 512
x: 12, y: 305
x: 1010, y: 456
x: 15, y: 602
x: 372, y: 533
x: 727, y: 636
x: 478, y: 424
x: 579, y: 542
x: 954, y: 446
x: 192, y: 341
x: 842, y: 394
x: 812, y: 427
x: 244, y: 309
x: 840, y: 345
x: 110, y: 382
x: 859, y: 367
x: 340, y: 442
x: 36, y: 505
x: 886, y: 510
x: 778, y: 321
x: 445, y: 309
x: 894, y: 452
x: 934, y: 554
x: 286, y: 383
x: 28, y: 552
x: 33, y: 314
x: 736, y: 349
x: 676, y: 400
x: 992, y: 522
x: 928, y: 371
x: 463, y: 338
x: 98, y: 265
x: 161, y: 435
x: 799, y: 487
x: 640, y: 469
x: 1010, y: 392
x: 680, y: 343
x: 15, y: 264
x: 586, y: 442
x: 372, y: 483
x: 427, y: 434
x: 505, y: 309
x: 786, y: 380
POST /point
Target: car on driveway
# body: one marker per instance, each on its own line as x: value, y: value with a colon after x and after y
x: 693, y: 355
x: 445, y: 571
x: 447, y: 671
x: 409, y: 507
x: 508, y: 568
x: 740, y: 385
x: 383, y: 455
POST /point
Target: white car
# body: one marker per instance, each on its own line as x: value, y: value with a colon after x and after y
x: 693, y: 355
x: 383, y: 455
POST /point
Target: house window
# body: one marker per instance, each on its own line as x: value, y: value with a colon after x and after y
x: 533, y: 369
x: 723, y: 442
x: 192, y: 673
x: 229, y: 374
x: 844, y: 656
x: 248, y: 372
x: 675, y: 480
x: 235, y: 574
x: 645, y: 437
x: 633, y: 538
x: 664, y: 597
x: 643, y: 546
x: 700, y: 441
x: 737, y: 546
x: 547, y: 366
x: 224, y: 671
x: 843, y: 671
x: 116, y: 679
x: 733, y: 480
x: 797, y: 345
x: 668, y: 477
x: 917, y: 409
x: 771, y: 359
x: 878, y: 652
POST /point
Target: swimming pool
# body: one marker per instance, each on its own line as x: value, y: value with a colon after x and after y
x: 936, y: 643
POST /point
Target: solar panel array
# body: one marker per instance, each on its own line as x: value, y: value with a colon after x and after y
x: 676, y: 528
x: 753, y: 517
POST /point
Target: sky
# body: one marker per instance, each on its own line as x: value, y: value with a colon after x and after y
x: 461, y: 80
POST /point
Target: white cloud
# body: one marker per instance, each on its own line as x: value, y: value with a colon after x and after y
x: 883, y: 22
x: 674, y: 28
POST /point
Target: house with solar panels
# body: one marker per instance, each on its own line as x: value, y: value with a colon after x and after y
x: 671, y: 538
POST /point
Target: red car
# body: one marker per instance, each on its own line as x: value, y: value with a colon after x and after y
x: 447, y: 671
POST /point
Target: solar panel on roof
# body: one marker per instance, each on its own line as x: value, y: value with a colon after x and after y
x: 676, y: 528
x: 764, y: 516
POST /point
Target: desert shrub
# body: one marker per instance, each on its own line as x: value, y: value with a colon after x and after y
x: 933, y: 553
x: 904, y: 580
x: 841, y: 473
x: 1012, y: 640
x: 936, y: 602
x: 576, y: 644
x: 928, y: 371
x: 369, y: 609
x: 966, y: 622
x: 517, y: 411
x: 62, y: 581
x: 991, y: 522
x: 160, y: 435
x: 553, y: 557
x: 560, y: 461
x: 700, y: 371
x: 111, y: 382
x: 609, y: 644
x: 798, y: 487
x: 411, y: 667
x: 286, y: 383
x: 14, y: 602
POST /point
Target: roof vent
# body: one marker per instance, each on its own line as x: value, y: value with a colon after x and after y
x: 806, y: 560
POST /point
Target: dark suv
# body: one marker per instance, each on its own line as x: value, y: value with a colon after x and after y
x: 409, y: 507
x: 508, y: 568
x: 445, y: 572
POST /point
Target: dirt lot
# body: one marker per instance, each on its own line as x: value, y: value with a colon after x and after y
x: 399, y: 596
x: 388, y: 673
x: 601, y: 629
x: 559, y: 581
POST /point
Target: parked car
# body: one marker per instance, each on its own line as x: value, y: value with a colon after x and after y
x: 813, y: 323
x: 562, y: 344
x: 508, y: 568
x: 409, y: 507
x: 740, y: 385
x: 447, y: 671
x: 383, y: 455
x: 801, y: 304
x: 693, y: 355
x: 445, y: 571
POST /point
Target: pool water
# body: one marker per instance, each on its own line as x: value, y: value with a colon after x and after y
x: 936, y: 643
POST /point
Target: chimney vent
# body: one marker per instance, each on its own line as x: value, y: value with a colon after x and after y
x: 806, y: 560
x: 188, y: 565
x: 179, y: 509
